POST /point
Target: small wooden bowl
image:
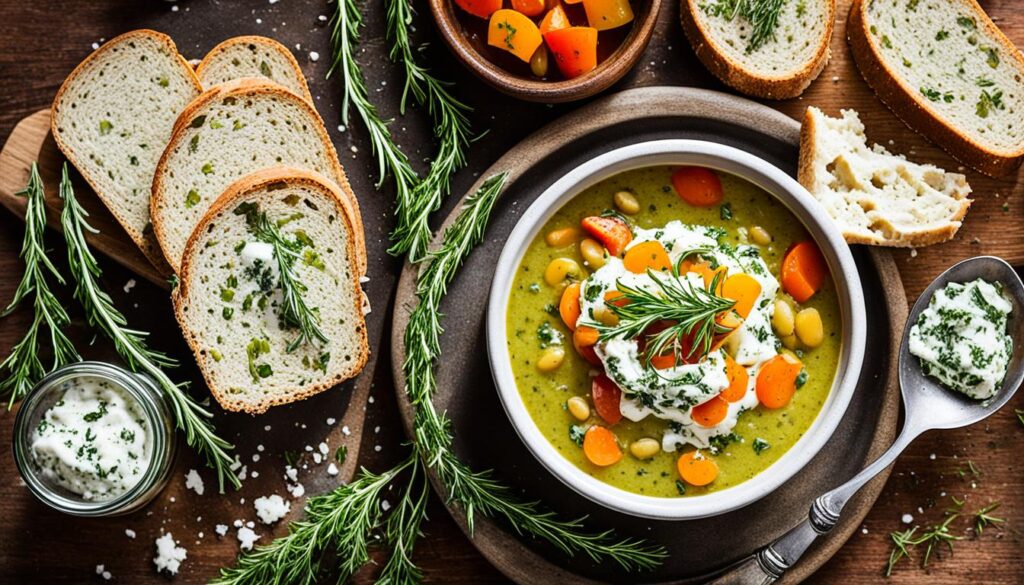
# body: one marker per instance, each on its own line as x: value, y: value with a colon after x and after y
x: 604, y: 75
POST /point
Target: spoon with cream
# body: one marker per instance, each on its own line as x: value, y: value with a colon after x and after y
x: 961, y: 359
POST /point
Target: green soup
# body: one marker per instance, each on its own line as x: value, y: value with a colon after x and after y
x: 760, y: 436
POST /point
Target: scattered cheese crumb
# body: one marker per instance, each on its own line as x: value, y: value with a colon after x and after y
x: 271, y: 508
x: 266, y: 428
x: 297, y: 490
x: 331, y: 420
x: 221, y: 529
x: 907, y: 518
x: 345, y: 431
x: 168, y: 555
x: 194, y: 482
x: 246, y: 538
x: 324, y: 449
x: 332, y: 469
x: 129, y: 533
x: 314, y: 56
x: 129, y: 285
x: 385, y: 505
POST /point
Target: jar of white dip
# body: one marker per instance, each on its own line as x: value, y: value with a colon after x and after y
x: 93, y: 439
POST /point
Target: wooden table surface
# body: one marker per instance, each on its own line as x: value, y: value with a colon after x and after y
x: 42, y: 42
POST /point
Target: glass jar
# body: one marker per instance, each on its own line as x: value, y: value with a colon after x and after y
x: 152, y: 405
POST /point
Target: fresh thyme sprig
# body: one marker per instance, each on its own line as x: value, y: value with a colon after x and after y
x: 131, y: 343
x: 480, y: 492
x: 693, y: 309
x: 451, y: 127
x: 24, y: 364
x: 984, y: 518
x: 902, y: 542
x: 294, y: 310
x: 938, y: 535
x: 763, y: 16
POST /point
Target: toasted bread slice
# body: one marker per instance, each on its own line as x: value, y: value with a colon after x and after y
x: 231, y: 130
x: 112, y: 117
x: 875, y: 197
x: 780, y: 67
x: 949, y: 73
x: 252, y: 56
x: 228, y: 302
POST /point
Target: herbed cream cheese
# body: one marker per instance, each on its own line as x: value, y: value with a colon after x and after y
x: 961, y: 338
x: 94, y: 441
x: 671, y: 393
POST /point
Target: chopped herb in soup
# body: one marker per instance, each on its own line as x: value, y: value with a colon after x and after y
x: 674, y: 331
x: 961, y: 338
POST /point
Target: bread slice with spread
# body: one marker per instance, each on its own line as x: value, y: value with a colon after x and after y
x: 231, y: 130
x: 947, y: 71
x: 764, y: 49
x: 112, y: 117
x: 252, y: 56
x: 875, y: 197
x: 231, y: 304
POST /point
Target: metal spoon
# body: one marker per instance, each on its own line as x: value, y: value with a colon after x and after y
x: 926, y: 406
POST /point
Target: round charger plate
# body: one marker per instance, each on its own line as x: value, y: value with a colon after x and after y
x: 485, y: 439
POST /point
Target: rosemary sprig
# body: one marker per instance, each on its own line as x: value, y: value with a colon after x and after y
x: 902, y: 542
x: 692, y: 308
x: 451, y: 127
x: 294, y: 310
x: 390, y: 158
x: 24, y: 364
x: 1020, y: 415
x: 131, y: 343
x: 763, y: 16
x: 479, y: 492
x: 984, y: 518
x: 402, y: 529
x: 937, y: 535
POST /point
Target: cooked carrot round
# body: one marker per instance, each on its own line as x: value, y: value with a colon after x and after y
x: 744, y: 289
x: 569, y: 306
x: 613, y: 233
x: 583, y: 339
x: 601, y: 447
x: 710, y: 413
x: 698, y: 186
x: 696, y: 469
x: 803, y: 270
x: 647, y: 256
x: 776, y: 381
x: 739, y: 379
x: 606, y: 395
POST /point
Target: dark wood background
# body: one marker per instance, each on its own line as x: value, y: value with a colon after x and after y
x: 41, y: 43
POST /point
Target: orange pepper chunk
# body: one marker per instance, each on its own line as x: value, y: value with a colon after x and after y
x: 776, y: 381
x: 803, y: 270
x: 608, y: 14
x: 744, y: 289
x: 481, y: 8
x: 710, y: 413
x: 555, y: 19
x: 601, y: 447
x: 569, y: 306
x: 647, y: 255
x: 513, y: 32
x: 574, y: 49
x: 529, y: 7
x: 696, y: 469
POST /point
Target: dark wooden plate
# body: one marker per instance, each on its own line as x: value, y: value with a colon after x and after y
x: 485, y: 438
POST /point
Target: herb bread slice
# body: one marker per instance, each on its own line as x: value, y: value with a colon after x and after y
x: 231, y: 130
x: 112, y: 117
x: 252, y: 56
x: 875, y: 197
x: 230, y: 300
x: 766, y: 49
x: 946, y: 70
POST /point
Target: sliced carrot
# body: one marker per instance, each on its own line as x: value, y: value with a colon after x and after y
x: 744, y: 289
x: 706, y: 272
x: 608, y: 14
x: 583, y: 339
x: 647, y: 255
x: 739, y: 379
x: 614, y: 297
x: 555, y: 19
x: 710, y: 413
x: 569, y: 306
x: 613, y: 233
x: 529, y: 7
x: 696, y: 469
x: 481, y: 8
x: 574, y: 49
x: 698, y: 186
x: 513, y: 32
x: 776, y: 381
x: 803, y: 270
x: 601, y: 447
x: 606, y: 395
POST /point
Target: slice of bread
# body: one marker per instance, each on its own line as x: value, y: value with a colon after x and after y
x: 252, y: 56
x: 229, y: 296
x: 949, y: 73
x: 875, y: 197
x: 780, y: 67
x: 232, y: 130
x: 112, y: 117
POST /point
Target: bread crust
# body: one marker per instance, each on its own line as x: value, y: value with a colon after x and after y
x: 146, y: 242
x: 253, y: 86
x: 744, y: 80
x: 910, y: 107
x: 240, y: 188
x: 258, y: 40
x: 805, y: 176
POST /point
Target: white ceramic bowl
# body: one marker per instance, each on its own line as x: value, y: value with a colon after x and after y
x: 799, y: 202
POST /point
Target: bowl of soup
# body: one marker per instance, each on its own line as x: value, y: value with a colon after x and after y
x: 675, y: 328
